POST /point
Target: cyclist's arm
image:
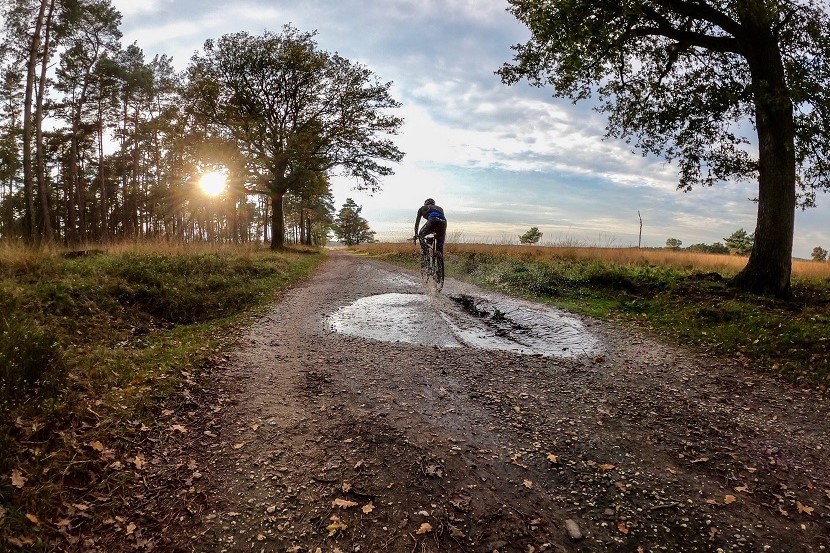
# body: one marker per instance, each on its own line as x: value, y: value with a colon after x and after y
x: 417, y: 220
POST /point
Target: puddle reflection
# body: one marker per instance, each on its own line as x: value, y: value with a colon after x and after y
x: 485, y: 323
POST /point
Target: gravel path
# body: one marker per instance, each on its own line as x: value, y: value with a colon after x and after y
x: 324, y: 440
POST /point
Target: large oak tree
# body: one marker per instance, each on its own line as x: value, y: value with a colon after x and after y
x: 685, y: 78
x: 293, y: 109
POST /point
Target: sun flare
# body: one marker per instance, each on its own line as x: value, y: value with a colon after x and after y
x: 213, y: 183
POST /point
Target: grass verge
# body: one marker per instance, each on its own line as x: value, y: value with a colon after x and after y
x: 90, y: 349
x: 685, y: 297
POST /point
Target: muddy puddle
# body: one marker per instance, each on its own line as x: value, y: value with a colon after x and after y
x: 463, y: 320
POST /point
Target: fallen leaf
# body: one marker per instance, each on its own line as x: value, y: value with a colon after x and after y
x: 425, y: 527
x: 804, y: 508
x: 346, y: 487
x: 517, y: 409
x: 640, y: 549
x: 166, y: 412
x: 131, y: 528
x: 712, y: 533
x: 606, y: 466
x: 621, y: 526
x: 343, y: 503
x: 712, y: 501
x: 21, y: 541
x: 783, y: 511
x: 239, y: 446
x: 192, y: 464
x: 139, y: 461
x: 81, y: 506
x: 336, y: 524
x: 741, y: 489
x: 32, y: 518
x: 700, y: 460
x: 359, y: 464
x: 553, y: 458
x: 178, y: 428
x: 64, y: 522
x: 368, y: 508
x: 527, y: 484
x: 96, y: 445
x: 260, y: 537
x: 729, y: 499
x: 621, y: 486
x: 18, y: 480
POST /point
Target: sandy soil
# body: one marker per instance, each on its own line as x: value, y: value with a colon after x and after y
x: 313, y: 440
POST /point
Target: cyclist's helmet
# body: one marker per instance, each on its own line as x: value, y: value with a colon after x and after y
x: 429, y: 201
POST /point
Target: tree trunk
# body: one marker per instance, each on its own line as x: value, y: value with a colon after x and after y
x: 28, y: 176
x: 277, y: 221
x: 40, y: 162
x: 770, y: 262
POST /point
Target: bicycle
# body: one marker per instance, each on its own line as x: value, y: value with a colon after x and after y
x: 432, y: 264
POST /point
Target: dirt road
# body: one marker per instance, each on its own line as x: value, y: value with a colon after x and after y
x: 361, y: 414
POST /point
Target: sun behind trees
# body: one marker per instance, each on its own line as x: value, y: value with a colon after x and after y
x: 112, y: 147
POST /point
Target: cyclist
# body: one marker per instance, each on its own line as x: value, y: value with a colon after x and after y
x: 436, y: 224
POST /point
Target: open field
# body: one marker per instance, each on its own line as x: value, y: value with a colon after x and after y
x: 683, y: 296
x: 701, y: 262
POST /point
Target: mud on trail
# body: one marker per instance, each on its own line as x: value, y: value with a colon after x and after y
x: 360, y: 414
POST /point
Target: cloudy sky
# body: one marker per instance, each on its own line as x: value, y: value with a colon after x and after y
x: 499, y: 159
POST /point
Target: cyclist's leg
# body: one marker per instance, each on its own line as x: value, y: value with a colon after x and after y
x: 440, y: 230
x: 426, y: 229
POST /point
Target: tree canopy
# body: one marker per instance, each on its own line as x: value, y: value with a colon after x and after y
x: 293, y: 109
x: 688, y: 80
x: 351, y: 227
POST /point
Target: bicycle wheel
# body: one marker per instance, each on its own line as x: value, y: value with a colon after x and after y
x: 438, y: 273
x: 425, y: 268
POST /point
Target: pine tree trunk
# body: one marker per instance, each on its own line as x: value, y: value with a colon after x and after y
x: 28, y: 120
x: 40, y: 162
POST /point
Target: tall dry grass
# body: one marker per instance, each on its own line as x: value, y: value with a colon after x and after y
x: 704, y: 262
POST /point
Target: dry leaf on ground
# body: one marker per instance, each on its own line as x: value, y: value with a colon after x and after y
x: 336, y: 524
x: 553, y: 458
x: 425, y: 527
x: 368, y: 508
x: 622, y: 527
x: 343, y: 503
x: 527, y: 484
x: 728, y: 499
x: 804, y: 508
x: 32, y: 518
x: 18, y: 480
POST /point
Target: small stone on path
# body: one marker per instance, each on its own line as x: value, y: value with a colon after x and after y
x: 573, y: 530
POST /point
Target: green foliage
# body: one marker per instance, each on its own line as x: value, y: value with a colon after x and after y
x: 350, y: 227
x: 819, y: 254
x: 739, y: 242
x: 532, y: 236
x: 294, y: 110
x: 29, y: 357
x: 673, y: 243
x: 717, y: 248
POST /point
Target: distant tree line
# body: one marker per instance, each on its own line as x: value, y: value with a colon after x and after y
x: 99, y: 144
x: 738, y: 243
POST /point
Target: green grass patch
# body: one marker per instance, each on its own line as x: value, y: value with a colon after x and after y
x: 90, y: 348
